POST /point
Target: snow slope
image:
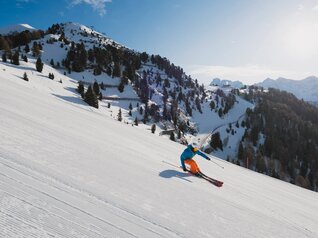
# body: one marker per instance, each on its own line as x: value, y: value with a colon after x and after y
x: 209, y: 122
x: 67, y: 170
x: 16, y: 28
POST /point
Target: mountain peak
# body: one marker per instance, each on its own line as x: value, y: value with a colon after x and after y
x: 78, y: 26
x: 16, y: 28
x: 80, y: 33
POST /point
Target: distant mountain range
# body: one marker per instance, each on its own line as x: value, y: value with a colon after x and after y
x: 306, y: 89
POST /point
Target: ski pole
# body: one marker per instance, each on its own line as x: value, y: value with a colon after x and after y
x: 215, y: 163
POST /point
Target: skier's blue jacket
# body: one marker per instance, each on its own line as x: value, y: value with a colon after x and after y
x: 188, y: 153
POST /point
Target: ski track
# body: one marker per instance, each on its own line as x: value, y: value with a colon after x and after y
x: 36, y: 205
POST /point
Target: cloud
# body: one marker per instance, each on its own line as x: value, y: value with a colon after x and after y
x: 97, y: 5
x: 248, y: 74
x: 301, y: 7
x: 315, y: 8
x: 19, y: 3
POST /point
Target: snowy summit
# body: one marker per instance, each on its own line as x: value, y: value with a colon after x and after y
x: 16, y: 29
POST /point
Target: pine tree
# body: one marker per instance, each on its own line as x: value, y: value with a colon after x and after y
x: 130, y: 107
x: 136, y: 121
x: 240, y: 154
x: 102, y: 86
x: 146, y: 114
x: 97, y: 71
x: 51, y: 76
x: 39, y: 65
x: 216, y: 142
x: 179, y: 134
x: 25, y: 76
x: 26, y: 48
x: 121, y: 86
x: 153, y: 128
x: 119, y: 115
x: 96, y: 88
x: 109, y: 71
x: 212, y: 105
x: 35, y: 49
x: 91, y: 98
x: 116, y: 71
x: 52, y: 63
x: 80, y: 89
x: 25, y: 58
x: 220, y: 112
x: 172, y: 137
x: 4, y: 57
x: 15, y: 58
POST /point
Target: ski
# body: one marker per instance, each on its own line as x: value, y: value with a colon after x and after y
x: 215, y: 182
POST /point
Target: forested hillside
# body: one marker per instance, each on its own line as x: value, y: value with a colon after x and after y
x: 281, y: 138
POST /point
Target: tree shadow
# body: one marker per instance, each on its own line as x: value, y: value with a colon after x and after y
x: 169, y: 173
x: 71, y: 99
x: 26, y: 68
x: 20, y: 77
x: 73, y: 90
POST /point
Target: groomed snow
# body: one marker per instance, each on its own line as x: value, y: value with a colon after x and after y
x: 67, y: 170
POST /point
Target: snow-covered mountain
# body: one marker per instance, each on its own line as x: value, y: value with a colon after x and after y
x: 15, y: 29
x: 54, y: 49
x: 70, y: 170
x: 306, y: 89
x: 226, y: 83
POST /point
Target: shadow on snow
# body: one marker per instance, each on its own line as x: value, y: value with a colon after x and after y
x: 169, y: 173
x: 71, y: 99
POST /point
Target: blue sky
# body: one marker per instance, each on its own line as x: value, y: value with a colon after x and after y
x: 247, y: 40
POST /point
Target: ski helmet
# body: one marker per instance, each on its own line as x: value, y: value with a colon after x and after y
x: 195, y: 146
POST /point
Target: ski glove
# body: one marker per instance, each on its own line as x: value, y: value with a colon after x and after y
x: 185, y: 170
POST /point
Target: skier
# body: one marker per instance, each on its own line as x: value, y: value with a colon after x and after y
x: 188, y: 154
